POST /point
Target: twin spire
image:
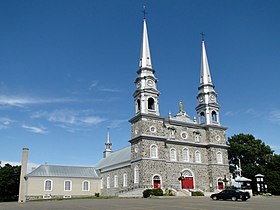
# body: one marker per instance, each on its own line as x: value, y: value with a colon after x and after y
x: 205, y: 77
x: 145, y: 56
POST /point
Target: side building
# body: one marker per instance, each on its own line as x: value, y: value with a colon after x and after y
x: 53, y: 181
x: 173, y: 152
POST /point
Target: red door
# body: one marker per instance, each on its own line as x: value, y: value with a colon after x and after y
x: 156, y: 183
x: 187, y: 183
x: 220, y: 185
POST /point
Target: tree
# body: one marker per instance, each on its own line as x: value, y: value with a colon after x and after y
x: 256, y: 158
x: 9, y: 182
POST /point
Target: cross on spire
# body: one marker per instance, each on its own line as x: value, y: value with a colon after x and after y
x: 144, y: 12
x: 202, y: 36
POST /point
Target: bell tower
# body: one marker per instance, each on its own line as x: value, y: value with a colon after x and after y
x: 207, y: 108
x: 146, y: 93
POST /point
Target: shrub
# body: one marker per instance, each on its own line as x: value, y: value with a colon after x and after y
x: 147, y: 193
x: 157, y: 192
x: 197, y: 193
x: 97, y: 194
x: 169, y: 192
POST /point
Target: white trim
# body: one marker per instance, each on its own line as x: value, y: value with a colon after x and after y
x: 83, y: 189
x: 125, y: 180
x: 219, y: 157
x: 187, y: 154
x: 51, y: 181
x: 159, y: 178
x: 70, y: 185
x: 116, y: 184
x: 108, y: 182
x: 173, y: 152
x: 193, y: 176
x: 136, y: 174
x: 217, y: 182
x: 101, y: 183
x: 156, y: 151
x: 197, y: 159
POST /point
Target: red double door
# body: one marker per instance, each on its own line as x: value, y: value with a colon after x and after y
x: 187, y: 183
x: 156, y: 183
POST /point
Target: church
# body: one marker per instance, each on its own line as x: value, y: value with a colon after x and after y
x: 172, y: 152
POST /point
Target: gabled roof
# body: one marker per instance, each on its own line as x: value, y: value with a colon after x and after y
x: 117, y: 159
x: 64, y: 171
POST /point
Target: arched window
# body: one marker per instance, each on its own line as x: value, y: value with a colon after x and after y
x: 185, y: 155
x: 153, y: 151
x: 48, y: 185
x: 108, y: 182
x: 214, y: 116
x: 202, y: 117
x: 124, y: 180
x: 101, y: 183
x: 136, y: 174
x: 219, y: 158
x: 67, y: 185
x: 197, y: 136
x: 116, y: 181
x: 138, y: 105
x: 197, y: 157
x: 151, y: 104
x: 173, y: 154
x: 85, y: 185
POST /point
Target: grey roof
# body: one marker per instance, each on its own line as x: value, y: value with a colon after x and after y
x: 64, y: 171
x: 116, y: 159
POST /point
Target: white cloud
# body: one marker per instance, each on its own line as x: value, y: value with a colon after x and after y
x: 231, y: 113
x: 274, y: 116
x: 93, y: 84
x: 20, y: 101
x: 33, y: 129
x: 71, y: 117
x: 5, y: 122
x: 109, y: 90
x: 117, y: 123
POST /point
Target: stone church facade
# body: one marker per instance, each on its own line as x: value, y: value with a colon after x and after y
x: 173, y: 152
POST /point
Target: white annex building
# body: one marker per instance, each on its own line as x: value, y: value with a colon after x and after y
x: 173, y: 152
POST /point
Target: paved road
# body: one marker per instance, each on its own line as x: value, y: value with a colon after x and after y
x: 189, y: 203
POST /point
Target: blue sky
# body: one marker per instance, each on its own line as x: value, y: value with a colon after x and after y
x: 67, y: 70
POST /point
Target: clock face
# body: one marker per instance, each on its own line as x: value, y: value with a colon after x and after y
x: 201, y: 98
x: 150, y: 83
x: 212, y: 97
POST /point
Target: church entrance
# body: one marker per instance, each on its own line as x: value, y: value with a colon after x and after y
x: 156, y: 181
x: 187, y: 180
x: 220, y: 184
x: 187, y: 183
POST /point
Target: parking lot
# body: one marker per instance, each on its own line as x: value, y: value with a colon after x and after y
x: 192, y: 203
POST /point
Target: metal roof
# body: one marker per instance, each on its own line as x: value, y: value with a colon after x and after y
x: 64, y: 171
x: 116, y: 159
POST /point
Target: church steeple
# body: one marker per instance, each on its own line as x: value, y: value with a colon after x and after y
x: 108, y: 145
x: 145, y: 56
x: 207, y: 108
x: 146, y: 93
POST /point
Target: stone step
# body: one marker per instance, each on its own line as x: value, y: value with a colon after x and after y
x: 137, y: 193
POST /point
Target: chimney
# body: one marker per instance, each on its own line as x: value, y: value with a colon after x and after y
x: 22, y: 185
